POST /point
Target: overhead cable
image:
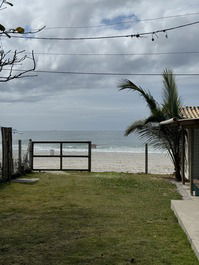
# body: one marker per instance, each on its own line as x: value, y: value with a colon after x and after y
x: 116, y: 54
x: 122, y: 22
x: 137, y: 35
x: 104, y: 73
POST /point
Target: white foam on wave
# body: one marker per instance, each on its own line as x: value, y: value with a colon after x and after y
x: 98, y: 149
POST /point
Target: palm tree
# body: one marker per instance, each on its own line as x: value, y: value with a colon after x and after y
x: 168, y: 137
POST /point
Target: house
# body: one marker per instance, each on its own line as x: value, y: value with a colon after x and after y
x: 189, y: 122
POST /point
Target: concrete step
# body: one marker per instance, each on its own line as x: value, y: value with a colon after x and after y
x: 187, y: 213
x: 26, y: 181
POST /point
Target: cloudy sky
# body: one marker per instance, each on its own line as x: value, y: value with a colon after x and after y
x: 90, y: 102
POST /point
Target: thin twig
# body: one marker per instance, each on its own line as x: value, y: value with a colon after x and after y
x: 12, y: 62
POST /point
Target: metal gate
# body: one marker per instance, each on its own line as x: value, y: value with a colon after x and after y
x: 60, y: 155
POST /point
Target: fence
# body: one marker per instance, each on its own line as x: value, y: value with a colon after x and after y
x: 60, y: 156
x: 25, y: 163
x: 21, y: 165
x: 13, y: 166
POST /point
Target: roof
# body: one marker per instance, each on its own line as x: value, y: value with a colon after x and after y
x: 189, y: 117
x: 189, y: 112
x: 183, y: 122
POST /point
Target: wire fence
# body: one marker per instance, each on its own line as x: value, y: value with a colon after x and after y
x: 17, y: 158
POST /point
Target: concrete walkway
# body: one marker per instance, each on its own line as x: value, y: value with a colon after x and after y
x: 187, y: 213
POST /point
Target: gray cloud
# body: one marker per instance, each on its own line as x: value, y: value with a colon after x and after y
x: 91, y: 100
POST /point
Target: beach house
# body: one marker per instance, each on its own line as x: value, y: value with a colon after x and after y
x: 189, y: 123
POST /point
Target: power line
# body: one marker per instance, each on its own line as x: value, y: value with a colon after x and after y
x: 137, y: 35
x: 104, y: 73
x: 117, y: 54
x: 122, y: 22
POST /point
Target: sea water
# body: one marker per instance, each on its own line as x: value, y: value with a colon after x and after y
x: 104, y: 141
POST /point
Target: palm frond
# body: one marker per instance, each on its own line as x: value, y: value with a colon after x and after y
x: 137, y: 125
x: 171, y: 100
x: 167, y: 137
x: 151, y: 102
x: 155, y: 118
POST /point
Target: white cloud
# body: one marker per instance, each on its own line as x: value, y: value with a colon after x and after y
x: 44, y: 92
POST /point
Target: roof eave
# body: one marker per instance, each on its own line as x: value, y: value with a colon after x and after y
x: 182, y: 122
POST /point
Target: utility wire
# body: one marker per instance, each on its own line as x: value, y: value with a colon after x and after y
x: 122, y: 22
x: 116, y: 54
x: 137, y: 35
x: 103, y: 73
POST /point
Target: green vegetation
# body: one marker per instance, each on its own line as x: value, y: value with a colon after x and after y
x: 91, y: 218
x: 167, y: 137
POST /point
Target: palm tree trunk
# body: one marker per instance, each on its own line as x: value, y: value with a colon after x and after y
x: 177, y: 158
x: 177, y: 172
x: 175, y: 149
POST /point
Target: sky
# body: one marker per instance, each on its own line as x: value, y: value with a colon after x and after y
x: 93, y: 102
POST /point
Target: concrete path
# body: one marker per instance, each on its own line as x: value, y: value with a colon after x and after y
x: 187, y: 213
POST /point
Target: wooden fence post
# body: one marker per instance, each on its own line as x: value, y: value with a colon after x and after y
x: 146, y: 159
x: 19, y: 156
x: 89, y: 156
x: 7, y: 159
x: 31, y: 154
x: 61, y: 156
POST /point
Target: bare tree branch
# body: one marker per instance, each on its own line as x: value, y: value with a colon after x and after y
x: 9, y: 59
x: 1, y: 4
x: 9, y: 32
x: 13, y: 61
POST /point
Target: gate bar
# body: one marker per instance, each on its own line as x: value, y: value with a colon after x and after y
x: 61, y: 156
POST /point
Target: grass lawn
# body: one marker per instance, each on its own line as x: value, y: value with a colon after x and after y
x: 91, y: 218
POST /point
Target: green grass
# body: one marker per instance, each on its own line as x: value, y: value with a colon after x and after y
x: 91, y: 218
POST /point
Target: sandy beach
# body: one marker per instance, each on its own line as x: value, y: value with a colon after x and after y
x: 158, y: 163
x: 131, y: 162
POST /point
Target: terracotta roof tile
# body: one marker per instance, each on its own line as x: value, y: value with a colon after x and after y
x: 189, y: 112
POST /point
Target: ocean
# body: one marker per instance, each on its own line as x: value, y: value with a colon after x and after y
x: 113, y: 152
x: 105, y: 141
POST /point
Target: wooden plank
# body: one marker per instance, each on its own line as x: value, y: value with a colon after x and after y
x: 89, y: 156
x: 7, y: 159
x: 58, y: 156
x: 19, y: 156
x: 64, y: 169
x: 61, y: 154
x: 31, y: 152
x: 10, y: 157
x: 58, y: 142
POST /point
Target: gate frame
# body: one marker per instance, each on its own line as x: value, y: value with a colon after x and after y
x: 61, y: 156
